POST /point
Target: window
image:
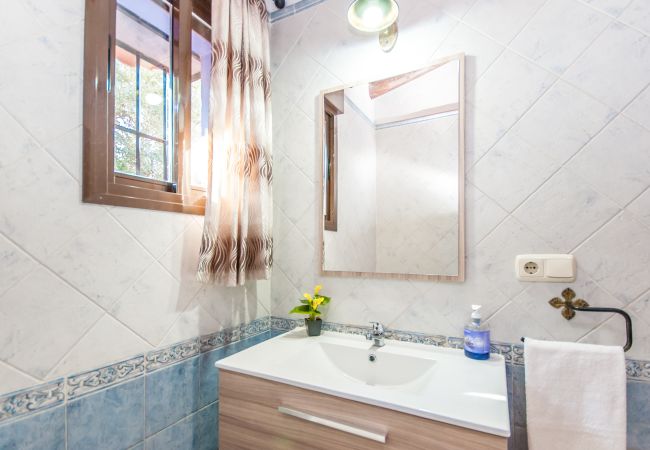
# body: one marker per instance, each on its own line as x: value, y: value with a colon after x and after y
x: 329, y: 165
x: 146, y: 93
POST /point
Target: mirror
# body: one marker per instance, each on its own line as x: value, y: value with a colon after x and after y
x: 393, y: 176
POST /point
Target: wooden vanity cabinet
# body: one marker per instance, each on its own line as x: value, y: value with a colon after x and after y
x: 250, y: 418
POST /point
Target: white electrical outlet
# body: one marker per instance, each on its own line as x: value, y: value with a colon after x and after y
x: 546, y: 267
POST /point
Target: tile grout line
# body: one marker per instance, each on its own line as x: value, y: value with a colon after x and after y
x: 72, y: 347
x: 41, y: 146
x: 22, y: 372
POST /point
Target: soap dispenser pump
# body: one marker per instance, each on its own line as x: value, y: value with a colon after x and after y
x: 477, y: 336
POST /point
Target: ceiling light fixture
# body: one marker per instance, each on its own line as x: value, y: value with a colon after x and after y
x: 372, y: 15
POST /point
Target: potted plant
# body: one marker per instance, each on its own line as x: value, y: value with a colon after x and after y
x: 310, y: 306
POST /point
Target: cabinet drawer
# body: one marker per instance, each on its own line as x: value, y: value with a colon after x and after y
x: 249, y: 406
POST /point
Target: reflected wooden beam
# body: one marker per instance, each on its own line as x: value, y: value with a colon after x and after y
x: 381, y: 87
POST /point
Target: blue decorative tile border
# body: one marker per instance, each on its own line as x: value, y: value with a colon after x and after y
x: 292, y: 9
x: 32, y: 399
x: 512, y: 353
x: 172, y: 354
x: 96, y: 379
x: 37, y: 398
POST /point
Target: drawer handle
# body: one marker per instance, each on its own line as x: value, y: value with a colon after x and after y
x: 377, y: 437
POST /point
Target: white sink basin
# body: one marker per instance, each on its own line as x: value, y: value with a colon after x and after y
x: 388, y: 368
x: 423, y: 380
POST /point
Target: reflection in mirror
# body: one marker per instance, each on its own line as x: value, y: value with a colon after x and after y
x: 393, y: 175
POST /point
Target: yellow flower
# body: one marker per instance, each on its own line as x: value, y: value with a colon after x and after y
x: 317, y: 301
x: 317, y: 289
x: 307, y: 296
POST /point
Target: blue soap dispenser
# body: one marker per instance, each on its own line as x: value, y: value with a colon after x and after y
x: 477, y: 336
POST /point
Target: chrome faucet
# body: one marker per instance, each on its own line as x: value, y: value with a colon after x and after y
x: 376, y: 335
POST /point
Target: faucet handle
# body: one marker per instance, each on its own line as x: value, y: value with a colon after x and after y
x: 377, y: 328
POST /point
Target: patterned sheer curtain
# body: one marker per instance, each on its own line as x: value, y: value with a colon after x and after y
x: 237, y: 243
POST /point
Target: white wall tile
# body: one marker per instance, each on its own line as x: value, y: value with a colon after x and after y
x: 108, y: 341
x: 284, y: 35
x: 559, y: 32
x: 293, y: 191
x: 15, y: 264
x: 456, y: 8
x: 64, y: 149
x: 194, y: 321
x: 309, y: 222
x: 638, y: 109
x: 296, y: 258
x: 511, y: 171
x: 615, y: 68
x: 501, y: 19
x: 283, y: 293
x: 637, y: 14
x: 102, y: 261
x: 617, y: 257
x: 480, y: 51
x: 481, y: 133
x: 623, y: 148
x: 12, y: 22
x: 52, y: 61
x: 509, y: 87
x: 482, y: 214
x: 563, y: 121
x: 42, y: 319
x: 640, y: 207
x: 295, y: 141
x: 57, y: 13
x: 155, y: 230
x: 613, y: 7
x: 153, y: 303
x: 324, y: 32
x: 565, y: 211
x: 182, y: 257
x: 513, y: 322
x: 13, y: 380
x: 641, y: 308
x: 300, y: 68
x: 308, y: 102
x: 41, y: 209
x: 379, y: 298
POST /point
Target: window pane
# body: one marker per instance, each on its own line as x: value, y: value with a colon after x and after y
x: 152, y: 159
x: 143, y: 92
x: 125, y: 89
x: 200, y: 97
x: 124, y: 152
x: 152, y: 100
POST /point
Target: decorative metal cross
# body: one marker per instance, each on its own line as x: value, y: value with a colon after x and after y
x: 568, y: 303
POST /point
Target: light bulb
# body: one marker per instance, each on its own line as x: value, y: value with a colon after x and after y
x: 372, y: 16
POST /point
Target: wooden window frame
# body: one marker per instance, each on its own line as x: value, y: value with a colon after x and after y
x: 101, y: 184
x: 330, y: 213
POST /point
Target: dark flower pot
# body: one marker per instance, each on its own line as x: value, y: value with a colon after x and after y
x: 313, y: 327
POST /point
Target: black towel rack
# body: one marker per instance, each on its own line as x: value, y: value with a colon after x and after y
x: 570, y: 306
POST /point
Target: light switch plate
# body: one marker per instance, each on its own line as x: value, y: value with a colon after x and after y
x: 549, y: 268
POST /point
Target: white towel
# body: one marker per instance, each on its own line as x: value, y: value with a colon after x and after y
x: 575, y: 396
